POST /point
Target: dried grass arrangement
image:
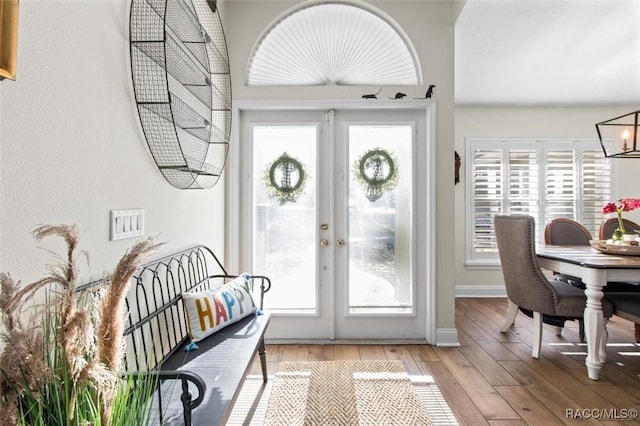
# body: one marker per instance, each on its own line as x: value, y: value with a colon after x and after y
x: 62, y: 358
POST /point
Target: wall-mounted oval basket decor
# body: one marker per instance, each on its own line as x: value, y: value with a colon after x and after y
x: 182, y: 85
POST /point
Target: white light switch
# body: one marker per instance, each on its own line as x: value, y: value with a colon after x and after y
x: 127, y: 223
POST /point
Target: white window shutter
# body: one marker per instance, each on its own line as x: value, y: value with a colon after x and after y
x: 561, y: 185
x: 595, y: 188
x: 546, y: 179
x: 488, y: 194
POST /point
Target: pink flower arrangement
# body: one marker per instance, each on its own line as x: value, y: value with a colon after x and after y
x: 622, y: 205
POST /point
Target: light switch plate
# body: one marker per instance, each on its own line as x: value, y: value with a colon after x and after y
x: 127, y: 223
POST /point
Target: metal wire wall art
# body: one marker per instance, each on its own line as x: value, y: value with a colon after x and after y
x: 182, y: 85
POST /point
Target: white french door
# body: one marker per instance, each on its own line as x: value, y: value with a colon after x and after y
x: 328, y: 210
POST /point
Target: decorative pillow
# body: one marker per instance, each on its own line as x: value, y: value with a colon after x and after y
x: 210, y: 310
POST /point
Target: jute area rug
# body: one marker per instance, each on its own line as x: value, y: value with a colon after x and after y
x: 342, y: 393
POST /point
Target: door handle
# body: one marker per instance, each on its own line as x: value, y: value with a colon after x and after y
x: 340, y: 242
x: 324, y: 243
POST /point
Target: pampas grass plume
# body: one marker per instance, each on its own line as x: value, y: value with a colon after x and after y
x: 92, y: 346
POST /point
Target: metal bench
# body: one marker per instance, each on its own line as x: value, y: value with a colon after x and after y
x: 200, y: 386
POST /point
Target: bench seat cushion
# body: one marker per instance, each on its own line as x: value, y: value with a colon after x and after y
x: 222, y: 360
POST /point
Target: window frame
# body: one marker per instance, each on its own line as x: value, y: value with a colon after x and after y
x: 542, y: 146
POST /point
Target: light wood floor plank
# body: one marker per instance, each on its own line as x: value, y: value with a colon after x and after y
x: 555, y: 400
x: 531, y: 410
x: 483, y: 395
x: 461, y: 404
x: 321, y: 353
x: 295, y: 353
x: 423, y: 353
x: 372, y: 352
x: 490, y: 369
x: 487, y: 341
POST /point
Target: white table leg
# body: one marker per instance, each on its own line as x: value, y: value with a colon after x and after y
x: 595, y: 279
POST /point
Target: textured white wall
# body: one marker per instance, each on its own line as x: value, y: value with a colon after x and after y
x: 71, y: 148
x: 527, y: 122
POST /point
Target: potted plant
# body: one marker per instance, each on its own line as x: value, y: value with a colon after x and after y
x: 61, y: 364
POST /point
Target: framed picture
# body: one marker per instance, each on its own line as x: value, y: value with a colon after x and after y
x: 8, y: 38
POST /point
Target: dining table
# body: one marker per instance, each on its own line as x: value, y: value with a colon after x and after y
x: 595, y: 269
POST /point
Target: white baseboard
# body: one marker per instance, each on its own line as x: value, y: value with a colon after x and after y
x: 447, y: 337
x: 480, y: 291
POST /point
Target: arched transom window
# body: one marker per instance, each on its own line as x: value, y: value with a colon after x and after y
x: 333, y: 43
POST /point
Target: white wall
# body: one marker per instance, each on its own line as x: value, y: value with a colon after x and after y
x: 430, y: 26
x: 527, y: 122
x: 71, y: 148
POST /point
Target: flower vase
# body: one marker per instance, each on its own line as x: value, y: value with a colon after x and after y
x: 618, y: 234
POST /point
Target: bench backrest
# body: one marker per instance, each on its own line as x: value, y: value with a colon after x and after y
x: 156, y: 325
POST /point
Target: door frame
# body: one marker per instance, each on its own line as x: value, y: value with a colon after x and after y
x: 425, y: 204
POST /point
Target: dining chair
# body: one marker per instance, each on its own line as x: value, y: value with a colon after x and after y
x: 608, y: 226
x: 563, y: 231
x: 627, y: 306
x: 528, y: 289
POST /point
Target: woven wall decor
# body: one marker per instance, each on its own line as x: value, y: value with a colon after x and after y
x: 182, y: 85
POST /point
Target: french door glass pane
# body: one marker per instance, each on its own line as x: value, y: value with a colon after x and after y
x: 284, y: 232
x: 380, y: 228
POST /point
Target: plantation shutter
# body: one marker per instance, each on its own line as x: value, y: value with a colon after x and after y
x: 545, y: 179
x: 523, y: 183
x: 595, y: 188
x: 487, y: 189
x: 560, y: 185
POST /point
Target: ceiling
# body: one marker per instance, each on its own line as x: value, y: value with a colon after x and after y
x: 548, y: 52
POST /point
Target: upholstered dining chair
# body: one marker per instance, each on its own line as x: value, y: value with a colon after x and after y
x: 608, y: 226
x: 627, y: 306
x: 563, y: 231
x: 528, y: 289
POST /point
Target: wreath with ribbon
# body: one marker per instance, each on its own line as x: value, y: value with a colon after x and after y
x: 377, y: 172
x: 285, y: 178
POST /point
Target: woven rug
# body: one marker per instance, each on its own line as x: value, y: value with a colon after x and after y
x: 343, y: 393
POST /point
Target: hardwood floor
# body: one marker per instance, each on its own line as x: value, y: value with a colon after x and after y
x: 491, y: 378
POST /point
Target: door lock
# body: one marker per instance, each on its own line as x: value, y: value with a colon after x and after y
x: 324, y: 226
x: 340, y: 243
x: 324, y: 243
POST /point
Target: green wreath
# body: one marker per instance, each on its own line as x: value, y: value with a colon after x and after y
x: 285, y: 178
x: 377, y: 172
